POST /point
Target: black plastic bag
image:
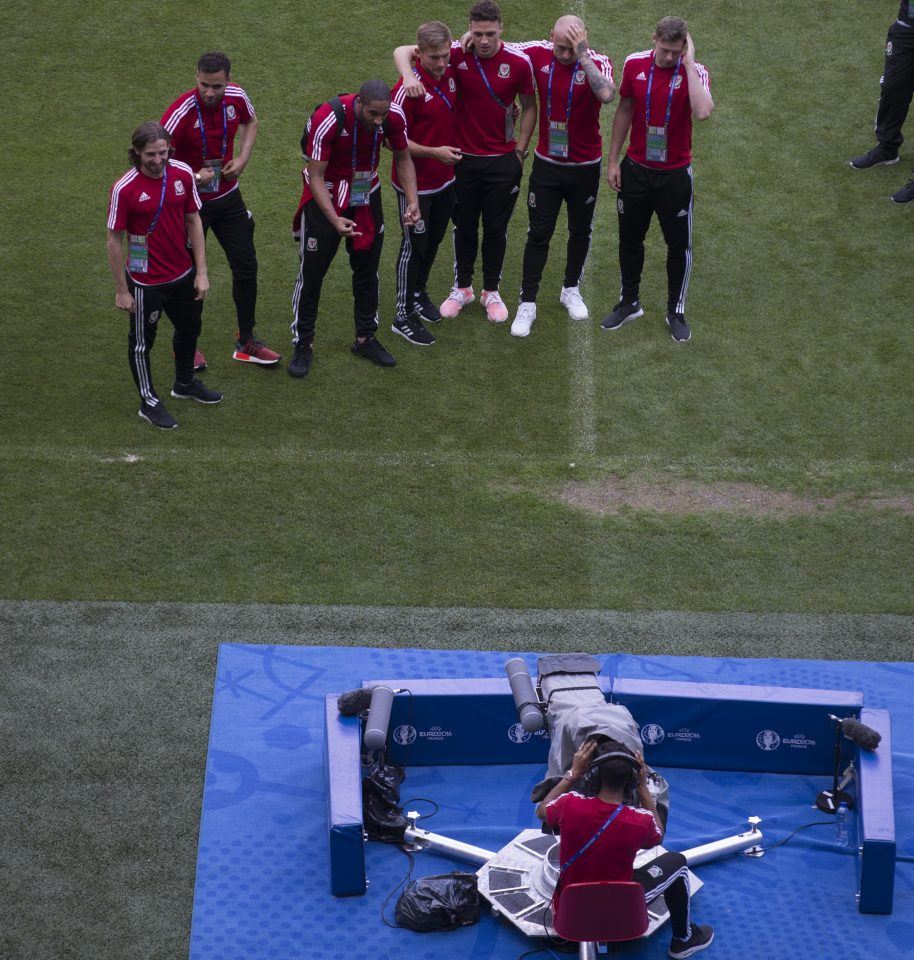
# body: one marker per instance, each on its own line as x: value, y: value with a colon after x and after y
x: 443, y: 902
x: 382, y: 814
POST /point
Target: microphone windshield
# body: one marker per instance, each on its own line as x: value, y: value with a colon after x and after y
x: 865, y: 737
x: 354, y: 702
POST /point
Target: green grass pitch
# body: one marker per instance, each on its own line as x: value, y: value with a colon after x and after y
x: 444, y: 481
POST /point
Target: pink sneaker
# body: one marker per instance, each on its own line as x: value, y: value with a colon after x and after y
x: 458, y: 299
x: 496, y: 310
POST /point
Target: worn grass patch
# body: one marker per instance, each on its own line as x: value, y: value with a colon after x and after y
x: 683, y: 497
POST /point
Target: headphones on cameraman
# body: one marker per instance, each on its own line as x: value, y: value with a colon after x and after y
x: 591, y: 781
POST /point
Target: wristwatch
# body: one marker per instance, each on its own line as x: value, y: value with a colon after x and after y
x: 568, y: 775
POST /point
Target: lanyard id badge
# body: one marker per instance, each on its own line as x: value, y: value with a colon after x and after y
x: 216, y: 182
x: 655, y: 148
x: 138, y: 253
x: 558, y: 139
x: 359, y: 193
x: 558, y: 129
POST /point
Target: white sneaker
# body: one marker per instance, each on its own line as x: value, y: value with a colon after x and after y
x: 571, y: 300
x: 458, y: 299
x: 496, y: 310
x: 526, y: 314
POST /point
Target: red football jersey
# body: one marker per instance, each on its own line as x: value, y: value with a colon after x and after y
x: 430, y: 122
x: 220, y: 124
x: 585, y: 145
x: 334, y: 144
x: 135, y: 198
x: 612, y: 855
x: 480, y: 117
x: 635, y: 74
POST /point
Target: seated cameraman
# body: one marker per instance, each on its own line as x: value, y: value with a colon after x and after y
x: 600, y: 837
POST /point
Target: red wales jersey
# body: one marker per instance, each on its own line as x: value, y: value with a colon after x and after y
x: 350, y: 147
x: 135, y: 198
x: 480, y: 117
x: 430, y: 122
x: 635, y: 75
x: 612, y: 854
x: 585, y: 145
x: 220, y: 124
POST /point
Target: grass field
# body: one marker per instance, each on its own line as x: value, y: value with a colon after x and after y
x: 441, y: 482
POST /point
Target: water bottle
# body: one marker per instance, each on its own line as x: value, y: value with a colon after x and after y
x: 841, y: 818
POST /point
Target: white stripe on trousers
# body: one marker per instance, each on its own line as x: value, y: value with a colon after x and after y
x: 140, y: 351
x: 684, y: 289
x: 406, y: 252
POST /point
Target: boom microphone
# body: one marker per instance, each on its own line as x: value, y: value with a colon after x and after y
x: 382, y: 698
x: 525, y: 700
x: 865, y: 737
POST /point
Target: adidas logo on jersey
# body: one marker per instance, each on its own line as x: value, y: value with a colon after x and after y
x: 641, y: 76
x: 544, y: 69
x: 344, y: 132
x: 428, y: 96
x: 143, y: 196
x: 462, y: 65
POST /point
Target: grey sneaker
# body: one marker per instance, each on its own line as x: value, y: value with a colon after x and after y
x: 905, y: 194
x: 679, y: 329
x: 157, y: 415
x: 699, y: 938
x: 879, y: 156
x: 195, y: 390
x: 623, y: 311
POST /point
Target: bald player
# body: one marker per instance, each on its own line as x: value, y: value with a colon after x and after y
x: 573, y: 83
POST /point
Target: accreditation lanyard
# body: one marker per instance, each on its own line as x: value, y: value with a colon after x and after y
x: 656, y: 148
x: 592, y: 840
x: 216, y: 163
x: 360, y: 192
x: 437, y: 90
x: 138, y: 243
x: 558, y: 129
x: 509, y: 115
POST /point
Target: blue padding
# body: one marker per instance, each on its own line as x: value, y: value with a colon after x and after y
x: 342, y: 773
x: 876, y: 818
x: 458, y: 722
x: 717, y: 726
x: 711, y: 726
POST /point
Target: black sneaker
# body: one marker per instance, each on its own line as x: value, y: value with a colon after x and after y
x: 679, y: 329
x: 195, y: 390
x: 701, y: 937
x: 879, y: 156
x: 411, y: 329
x: 300, y: 363
x: 157, y: 415
x: 372, y: 349
x: 425, y: 308
x: 905, y: 194
x: 623, y: 311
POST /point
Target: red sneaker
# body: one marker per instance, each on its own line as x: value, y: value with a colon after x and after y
x: 199, y: 360
x: 255, y: 352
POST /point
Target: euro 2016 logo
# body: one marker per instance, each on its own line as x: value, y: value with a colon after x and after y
x: 767, y: 740
x: 652, y: 734
x: 404, y: 735
x: 517, y: 734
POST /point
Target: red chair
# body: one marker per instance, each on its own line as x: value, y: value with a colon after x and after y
x: 601, y: 912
